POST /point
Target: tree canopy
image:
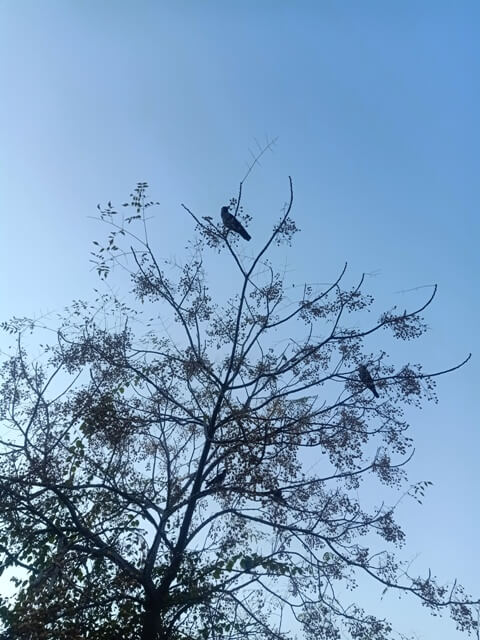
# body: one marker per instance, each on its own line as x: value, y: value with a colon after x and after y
x: 155, y: 482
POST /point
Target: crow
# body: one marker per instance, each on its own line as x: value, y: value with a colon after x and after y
x: 367, y: 379
x: 233, y: 223
x: 217, y: 480
x: 247, y: 563
x: 277, y: 496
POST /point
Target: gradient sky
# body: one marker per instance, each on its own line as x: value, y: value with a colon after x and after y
x: 375, y: 105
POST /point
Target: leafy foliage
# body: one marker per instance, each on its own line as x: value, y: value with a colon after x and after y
x: 111, y: 439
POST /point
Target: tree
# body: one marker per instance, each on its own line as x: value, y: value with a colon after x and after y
x: 154, y: 485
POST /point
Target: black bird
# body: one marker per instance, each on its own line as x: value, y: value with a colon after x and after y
x: 233, y: 223
x: 277, y: 496
x: 247, y: 563
x: 217, y: 480
x: 366, y: 378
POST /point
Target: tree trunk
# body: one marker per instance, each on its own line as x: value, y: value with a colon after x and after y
x: 151, y: 627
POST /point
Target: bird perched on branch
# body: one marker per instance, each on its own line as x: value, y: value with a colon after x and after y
x: 217, y: 480
x: 247, y: 563
x: 366, y: 378
x: 233, y: 224
x: 277, y: 496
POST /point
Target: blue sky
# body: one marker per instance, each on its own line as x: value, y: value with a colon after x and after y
x: 375, y: 107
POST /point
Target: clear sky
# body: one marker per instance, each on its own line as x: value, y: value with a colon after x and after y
x: 376, y: 108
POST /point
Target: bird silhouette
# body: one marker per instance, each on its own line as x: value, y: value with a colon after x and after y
x: 277, y: 496
x: 247, y: 563
x: 233, y: 224
x: 366, y: 378
x: 217, y: 480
